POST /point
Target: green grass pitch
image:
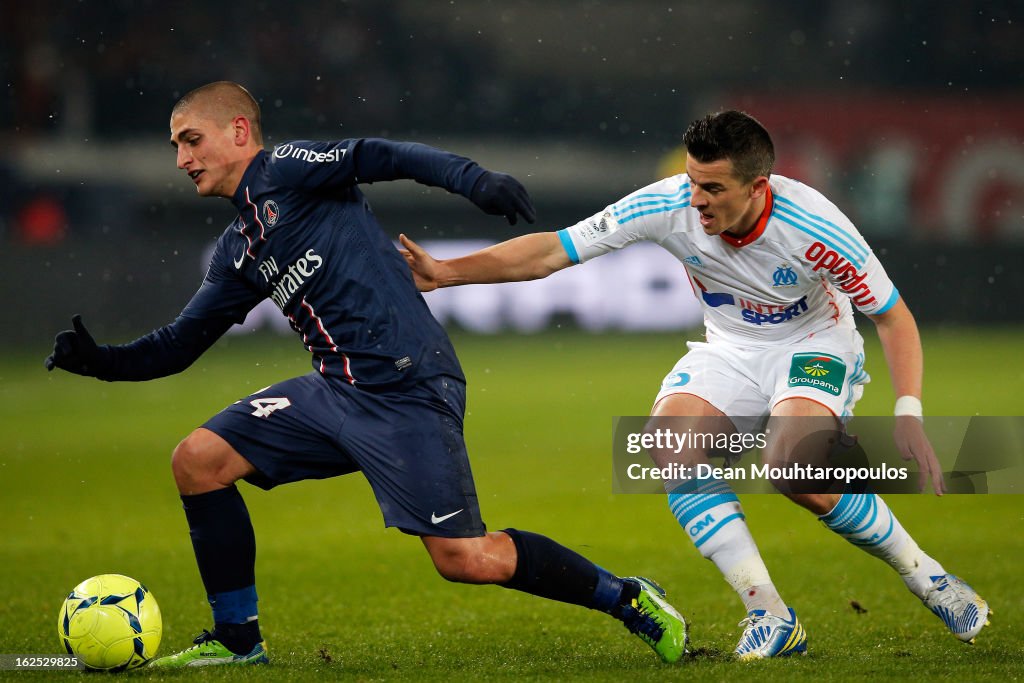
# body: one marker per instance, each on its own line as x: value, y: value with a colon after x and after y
x: 85, y: 488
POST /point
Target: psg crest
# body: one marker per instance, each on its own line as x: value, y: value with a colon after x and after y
x: 270, y: 212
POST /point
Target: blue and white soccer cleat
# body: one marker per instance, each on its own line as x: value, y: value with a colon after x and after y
x: 959, y: 606
x: 767, y: 635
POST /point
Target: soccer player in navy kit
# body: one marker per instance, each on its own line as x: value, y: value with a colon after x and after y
x: 386, y: 395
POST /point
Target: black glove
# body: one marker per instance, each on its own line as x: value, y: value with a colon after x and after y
x: 76, y: 351
x: 499, y: 194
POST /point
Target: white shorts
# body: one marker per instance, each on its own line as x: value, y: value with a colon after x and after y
x: 743, y: 381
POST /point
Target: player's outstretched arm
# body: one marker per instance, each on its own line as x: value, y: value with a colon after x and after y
x: 162, y: 352
x: 376, y: 159
x: 901, y: 343
x: 528, y: 257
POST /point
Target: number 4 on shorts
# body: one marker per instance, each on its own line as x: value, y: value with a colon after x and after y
x: 265, y: 406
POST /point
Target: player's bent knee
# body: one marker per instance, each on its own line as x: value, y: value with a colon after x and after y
x: 204, y: 462
x: 456, y: 561
x: 471, y: 560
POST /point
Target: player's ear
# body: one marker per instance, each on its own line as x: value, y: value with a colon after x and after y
x: 758, y: 187
x: 243, y: 130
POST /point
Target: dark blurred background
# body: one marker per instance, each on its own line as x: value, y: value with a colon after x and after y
x: 909, y: 115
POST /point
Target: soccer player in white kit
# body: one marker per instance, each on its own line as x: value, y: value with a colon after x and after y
x: 777, y: 268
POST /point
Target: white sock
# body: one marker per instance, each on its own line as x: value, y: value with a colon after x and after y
x: 867, y: 522
x: 710, y: 513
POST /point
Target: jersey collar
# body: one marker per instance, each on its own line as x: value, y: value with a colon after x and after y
x: 239, y: 199
x: 758, y: 230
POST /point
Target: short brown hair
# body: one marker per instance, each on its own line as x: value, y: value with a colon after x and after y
x: 224, y: 100
x: 732, y: 135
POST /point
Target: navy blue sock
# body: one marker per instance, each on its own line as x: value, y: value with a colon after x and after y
x: 225, y: 548
x: 552, y: 571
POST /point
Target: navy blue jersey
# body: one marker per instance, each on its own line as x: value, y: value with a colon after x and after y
x: 305, y: 237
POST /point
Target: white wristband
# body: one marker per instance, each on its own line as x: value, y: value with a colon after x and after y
x: 909, y: 405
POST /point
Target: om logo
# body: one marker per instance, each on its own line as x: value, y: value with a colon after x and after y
x: 784, y: 277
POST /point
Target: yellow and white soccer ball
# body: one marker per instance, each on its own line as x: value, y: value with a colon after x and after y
x: 110, y: 622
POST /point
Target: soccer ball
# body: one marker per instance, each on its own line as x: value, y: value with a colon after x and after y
x: 110, y: 622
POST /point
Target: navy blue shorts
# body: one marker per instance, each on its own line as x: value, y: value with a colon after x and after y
x: 408, y: 445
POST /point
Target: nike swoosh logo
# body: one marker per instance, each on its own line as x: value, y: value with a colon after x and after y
x: 434, y: 519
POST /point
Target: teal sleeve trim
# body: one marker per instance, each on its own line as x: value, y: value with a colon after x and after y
x: 570, y: 248
x: 893, y: 298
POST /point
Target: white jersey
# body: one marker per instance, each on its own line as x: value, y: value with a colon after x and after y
x: 793, y: 276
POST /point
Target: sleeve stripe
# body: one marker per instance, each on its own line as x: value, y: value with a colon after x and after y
x: 826, y: 227
x: 570, y: 248
x: 889, y: 303
x: 784, y: 217
x: 661, y: 209
x: 666, y: 198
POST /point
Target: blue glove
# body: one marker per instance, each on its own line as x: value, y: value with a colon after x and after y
x: 499, y: 194
x: 76, y: 351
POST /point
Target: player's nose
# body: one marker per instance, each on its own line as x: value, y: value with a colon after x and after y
x: 184, y: 158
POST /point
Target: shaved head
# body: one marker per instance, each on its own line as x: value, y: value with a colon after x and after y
x: 215, y: 131
x: 221, y: 102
